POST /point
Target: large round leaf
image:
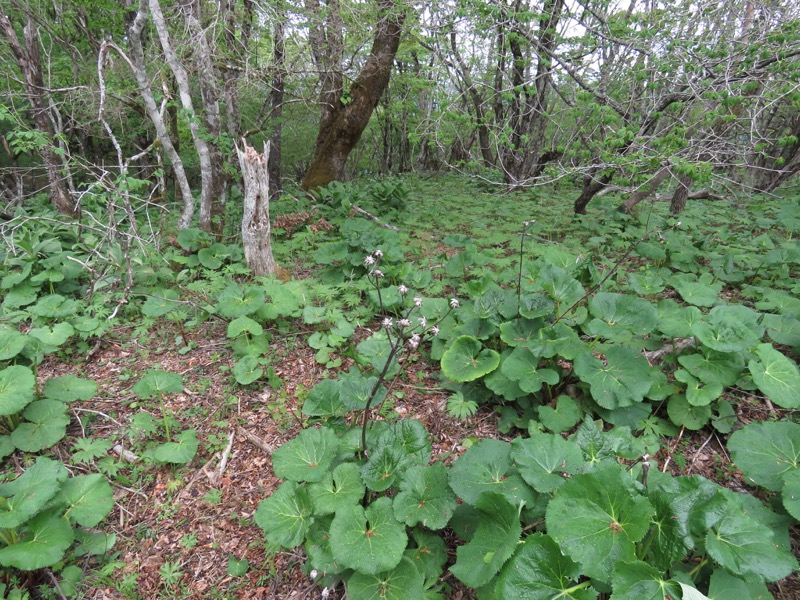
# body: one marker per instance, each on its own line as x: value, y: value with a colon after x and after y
x: 777, y: 376
x: 791, y: 493
x: 247, y: 370
x: 28, y: 493
x: 341, y: 488
x: 597, y: 518
x: 56, y: 335
x: 545, y: 461
x: 236, y: 300
x: 179, y: 452
x: 285, y: 516
x: 242, y: 325
x: 401, y: 583
x: 623, y: 380
x: 88, y: 499
x: 16, y: 389
x: 682, y: 413
x: 619, y: 315
x: 466, y: 360
x: 11, y: 343
x: 307, y: 457
x: 69, y: 388
x: 157, y: 383
x: 639, y: 581
x: 700, y: 292
x: 47, y: 537
x: 766, y: 451
x: 425, y: 497
x: 522, y: 367
x: 368, y: 541
x: 45, y: 424
x: 160, y: 302
x: 325, y: 400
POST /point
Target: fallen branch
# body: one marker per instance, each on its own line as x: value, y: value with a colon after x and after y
x: 677, y: 346
x: 361, y: 211
x: 124, y: 454
x: 256, y: 441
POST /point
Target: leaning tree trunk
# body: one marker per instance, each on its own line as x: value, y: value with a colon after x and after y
x: 591, y: 187
x: 646, y: 190
x: 255, y: 220
x: 681, y: 195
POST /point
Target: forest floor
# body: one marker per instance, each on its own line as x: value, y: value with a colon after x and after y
x: 184, y: 532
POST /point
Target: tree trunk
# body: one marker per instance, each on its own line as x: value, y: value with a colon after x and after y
x: 591, y: 186
x: 681, y: 195
x: 645, y: 191
x: 255, y: 219
x: 342, y: 123
x: 29, y: 63
x: 276, y: 100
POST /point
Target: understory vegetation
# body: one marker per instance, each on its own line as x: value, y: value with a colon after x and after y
x: 587, y: 363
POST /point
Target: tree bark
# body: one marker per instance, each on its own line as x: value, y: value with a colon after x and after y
x: 645, y: 191
x: 255, y: 219
x: 343, y: 122
x: 276, y: 99
x: 29, y: 63
x: 591, y: 186
x: 681, y: 195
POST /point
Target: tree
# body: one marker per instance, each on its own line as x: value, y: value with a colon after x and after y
x: 346, y: 112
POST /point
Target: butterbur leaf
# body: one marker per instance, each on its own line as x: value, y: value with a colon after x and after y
x: 285, y: 516
x: 45, y: 424
x: 307, y: 457
x: 700, y: 292
x: 409, y: 436
x: 783, y: 329
x: 242, y: 325
x: 713, y: 367
x: 88, y: 499
x: 247, y: 370
x: 368, y: 541
x: 16, y: 389
x: 44, y: 542
x: 11, y: 343
x: 237, y: 301
x: 791, y: 493
x: 324, y: 400
x: 619, y: 315
x: 428, y: 555
x: 375, y: 350
x: 384, y: 467
x: 486, y: 467
x: 538, y: 571
x: 682, y: 413
x: 563, y: 417
x: 766, y: 452
x: 623, y: 380
x: 157, y: 383
x: 728, y: 329
x: 560, y: 286
x: 776, y: 376
x: 93, y: 543
x: 341, y: 488
x: 698, y: 394
x: 522, y: 366
x: 401, y: 583
x: 677, y: 321
x: 54, y: 306
x: 519, y: 331
x: 743, y: 546
x: 425, y: 497
x: 179, y: 452
x: 545, y: 460
x: 597, y: 518
x: 56, y: 335
x: 691, y: 593
x: 70, y: 388
x: 355, y: 390
x: 160, y: 302
x: 466, y: 360
x: 639, y: 581
x: 492, y: 545
x: 27, y: 494
x: 724, y: 586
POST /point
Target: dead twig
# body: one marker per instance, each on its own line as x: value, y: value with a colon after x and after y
x: 256, y: 441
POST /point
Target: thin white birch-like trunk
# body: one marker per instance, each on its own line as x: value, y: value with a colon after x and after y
x: 255, y: 220
x: 137, y: 64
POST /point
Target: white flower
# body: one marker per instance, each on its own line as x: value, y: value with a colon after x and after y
x: 326, y: 592
x: 434, y: 330
x: 369, y: 261
x: 422, y: 321
x: 402, y: 290
x: 313, y: 574
x: 417, y: 301
x: 376, y: 273
x: 387, y: 323
x: 378, y: 253
x: 404, y: 323
x: 453, y: 303
x: 413, y: 341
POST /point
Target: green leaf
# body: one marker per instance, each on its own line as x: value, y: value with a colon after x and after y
x: 54, y: 306
x: 563, y: 417
x: 677, y: 321
x: 726, y: 331
x: 622, y: 381
x: 711, y: 367
x: 724, y: 586
x: 285, y: 516
x: 242, y: 325
x: 425, y: 497
x: 179, y: 452
x: 519, y: 331
x: 70, y: 388
x: 157, y: 383
x: 11, y: 343
x: 560, y: 286
x: 56, y: 335
x: 745, y: 547
x: 766, y: 452
x: 355, y: 390
x: 27, y: 494
x: 486, y: 467
x: 466, y: 360
x: 700, y: 292
x: 698, y: 394
x: 791, y: 493
x: 85, y: 450
x: 783, y: 329
x: 45, y: 424
x: 384, y: 467
x: 776, y: 376
x: 237, y: 300
x: 376, y: 350
x: 16, y: 389
x: 401, y: 583
x: 236, y: 567
x: 618, y: 316
x: 47, y: 537
x: 492, y: 545
x: 368, y: 541
x: 522, y: 366
x: 160, y: 302
x: 88, y: 499
x: 539, y: 571
x: 341, y: 488
x: 639, y: 581
x: 409, y: 436
x: 428, y: 554
x: 247, y: 370
x: 597, y: 518
x: 546, y: 460
x: 324, y: 400
x: 682, y: 413
x: 307, y: 457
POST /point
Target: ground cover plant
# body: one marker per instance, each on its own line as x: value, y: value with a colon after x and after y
x: 523, y: 404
